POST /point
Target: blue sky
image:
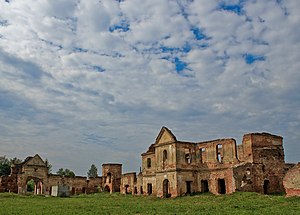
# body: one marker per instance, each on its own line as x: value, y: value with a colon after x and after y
x: 91, y: 81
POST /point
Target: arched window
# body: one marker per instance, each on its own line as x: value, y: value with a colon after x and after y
x: 165, y: 155
x: 148, y: 162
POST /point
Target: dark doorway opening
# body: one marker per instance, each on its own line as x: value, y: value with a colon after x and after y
x: 141, y: 190
x: 204, y: 186
x: 126, y: 188
x: 221, y: 186
x: 149, y: 188
x: 106, y: 188
x: 166, y: 193
x: 188, y: 187
x: 266, y: 186
x: 135, y: 190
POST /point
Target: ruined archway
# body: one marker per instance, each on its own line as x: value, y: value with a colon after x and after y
x: 166, y: 188
x: 30, y: 186
x: 34, y: 185
x: 107, y: 189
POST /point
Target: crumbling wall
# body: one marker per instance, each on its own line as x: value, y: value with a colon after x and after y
x: 166, y: 184
x: 111, y: 177
x: 218, y: 166
x: 291, y: 181
x: 128, y: 183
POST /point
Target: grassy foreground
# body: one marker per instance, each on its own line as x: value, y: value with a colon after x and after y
x: 103, y: 203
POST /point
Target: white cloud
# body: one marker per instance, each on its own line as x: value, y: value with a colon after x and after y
x: 98, y: 78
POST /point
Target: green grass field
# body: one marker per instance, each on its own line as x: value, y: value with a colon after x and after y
x: 104, y: 203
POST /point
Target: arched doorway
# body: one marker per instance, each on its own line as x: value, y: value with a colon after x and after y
x: 107, y: 189
x: 34, y: 185
x: 166, y: 188
x: 30, y: 186
x: 126, y: 189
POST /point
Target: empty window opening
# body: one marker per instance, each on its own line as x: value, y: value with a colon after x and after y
x: 148, y: 162
x: 219, y: 153
x: 108, y: 179
x: 166, y: 188
x: 202, y: 155
x: 221, y: 186
x: 266, y: 186
x: 219, y: 158
x: 188, y: 156
x: 204, y: 186
x: 165, y: 157
x: 188, y: 187
x: 149, y: 188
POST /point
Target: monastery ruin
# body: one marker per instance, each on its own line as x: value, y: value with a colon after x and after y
x: 172, y: 168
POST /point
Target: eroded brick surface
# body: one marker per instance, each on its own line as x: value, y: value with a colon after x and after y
x: 291, y: 181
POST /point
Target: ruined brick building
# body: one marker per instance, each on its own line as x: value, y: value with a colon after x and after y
x: 173, y: 168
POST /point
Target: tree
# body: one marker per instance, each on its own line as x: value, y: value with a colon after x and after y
x: 30, y: 185
x: 60, y: 172
x: 69, y: 173
x: 15, y: 161
x: 65, y: 172
x: 49, y: 166
x: 92, y: 173
x: 4, y: 166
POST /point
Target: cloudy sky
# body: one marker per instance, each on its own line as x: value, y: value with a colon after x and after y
x: 90, y: 81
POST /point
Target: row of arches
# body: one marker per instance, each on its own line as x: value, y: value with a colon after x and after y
x: 34, y: 185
